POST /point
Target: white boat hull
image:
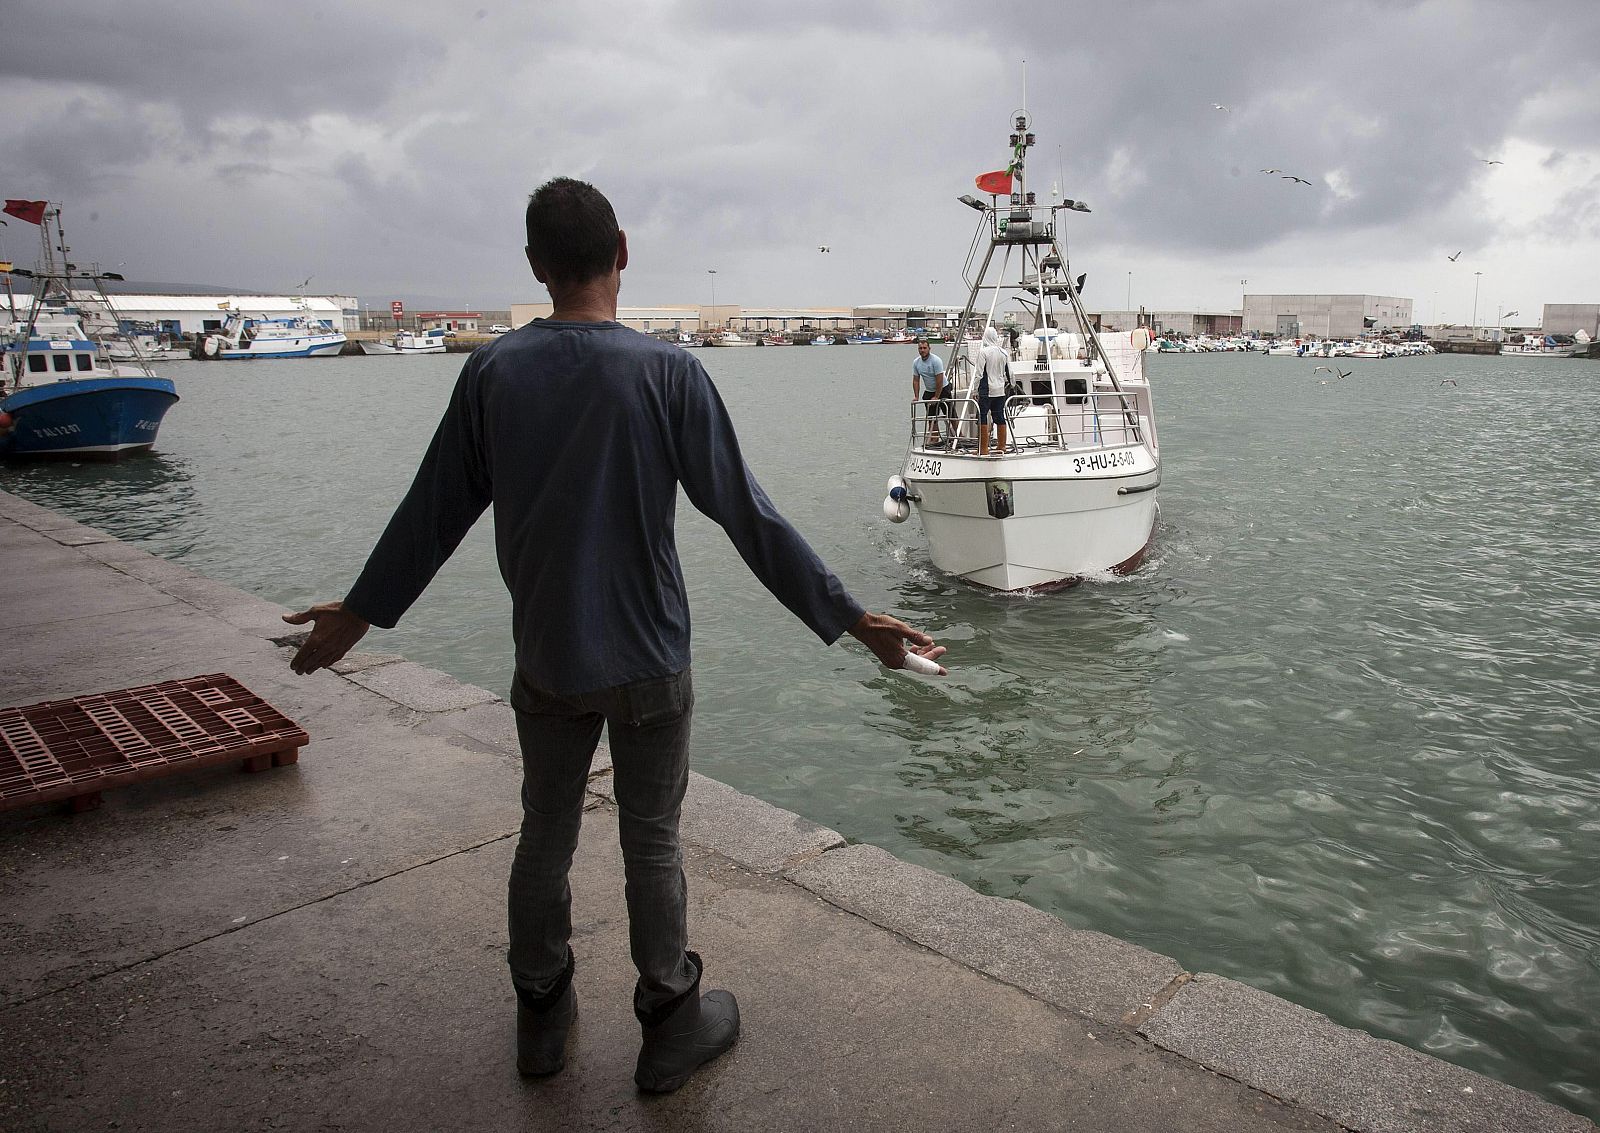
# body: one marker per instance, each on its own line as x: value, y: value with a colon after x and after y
x: 322, y: 346
x: 1063, y: 525
x: 1551, y: 352
x: 433, y: 346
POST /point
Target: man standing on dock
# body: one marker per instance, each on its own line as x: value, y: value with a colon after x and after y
x: 579, y: 431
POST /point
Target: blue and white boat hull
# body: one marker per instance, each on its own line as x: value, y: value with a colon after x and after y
x: 324, y: 347
x: 86, y: 418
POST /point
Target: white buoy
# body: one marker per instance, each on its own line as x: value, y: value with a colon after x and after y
x: 896, y: 511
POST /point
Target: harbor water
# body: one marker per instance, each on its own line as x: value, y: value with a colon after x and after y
x: 1339, y: 738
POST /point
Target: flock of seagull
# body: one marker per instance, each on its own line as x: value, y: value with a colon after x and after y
x: 1340, y: 375
x: 1303, y: 181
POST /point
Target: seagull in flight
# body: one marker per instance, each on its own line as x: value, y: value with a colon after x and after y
x: 1292, y: 177
x: 1219, y: 106
x: 823, y: 248
x: 1487, y: 161
x: 1454, y: 258
x: 1448, y: 382
x: 1272, y: 171
x: 1341, y: 375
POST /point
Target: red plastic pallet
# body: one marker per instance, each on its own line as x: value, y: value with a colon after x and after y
x: 74, y: 749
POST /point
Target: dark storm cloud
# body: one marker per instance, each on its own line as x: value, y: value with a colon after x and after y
x: 78, y: 141
x: 208, y: 61
x: 1398, y: 102
x: 392, y: 146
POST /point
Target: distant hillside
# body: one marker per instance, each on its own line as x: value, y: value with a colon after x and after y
x: 144, y: 287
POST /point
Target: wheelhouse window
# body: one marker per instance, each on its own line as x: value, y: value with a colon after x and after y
x: 85, y: 363
x: 37, y: 364
x: 61, y: 363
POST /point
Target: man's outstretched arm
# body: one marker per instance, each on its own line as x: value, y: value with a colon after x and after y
x: 720, y: 484
x: 334, y: 632
x: 450, y: 491
x: 887, y: 638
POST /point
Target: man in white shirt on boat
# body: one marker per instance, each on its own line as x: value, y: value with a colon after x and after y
x: 994, y: 363
x: 927, y: 379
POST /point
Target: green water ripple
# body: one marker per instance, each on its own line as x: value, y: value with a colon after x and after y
x: 1338, y: 739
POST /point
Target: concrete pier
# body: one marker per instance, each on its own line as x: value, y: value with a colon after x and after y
x: 321, y: 946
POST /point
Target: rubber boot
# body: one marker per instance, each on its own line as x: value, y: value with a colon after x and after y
x: 683, y: 1035
x: 543, y: 1024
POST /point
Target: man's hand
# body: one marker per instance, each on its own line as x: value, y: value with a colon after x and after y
x: 886, y: 637
x: 334, y: 631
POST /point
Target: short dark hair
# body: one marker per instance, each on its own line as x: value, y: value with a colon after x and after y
x: 572, y: 231
x: 922, y: 342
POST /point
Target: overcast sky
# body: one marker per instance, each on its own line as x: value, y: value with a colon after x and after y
x: 386, y: 149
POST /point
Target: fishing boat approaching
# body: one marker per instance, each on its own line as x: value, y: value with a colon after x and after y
x: 1068, y: 491
x: 60, y: 397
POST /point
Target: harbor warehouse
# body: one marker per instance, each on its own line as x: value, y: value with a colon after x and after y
x: 1325, y: 316
x: 197, y: 314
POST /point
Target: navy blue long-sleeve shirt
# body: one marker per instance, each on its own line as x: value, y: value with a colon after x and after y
x: 579, y: 434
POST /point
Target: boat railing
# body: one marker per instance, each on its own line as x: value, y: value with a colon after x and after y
x: 1065, y: 422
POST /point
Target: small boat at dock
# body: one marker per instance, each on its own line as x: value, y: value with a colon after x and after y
x: 405, y: 342
x: 1544, y: 346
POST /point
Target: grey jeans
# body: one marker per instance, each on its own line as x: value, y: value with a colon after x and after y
x: 648, y: 728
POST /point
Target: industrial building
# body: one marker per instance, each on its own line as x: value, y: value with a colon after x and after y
x: 1570, y: 318
x: 196, y: 314
x: 1325, y: 316
x: 901, y: 316
x: 1187, y: 323
x: 696, y: 319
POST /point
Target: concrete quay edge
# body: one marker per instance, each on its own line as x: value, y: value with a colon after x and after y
x: 1268, y: 1044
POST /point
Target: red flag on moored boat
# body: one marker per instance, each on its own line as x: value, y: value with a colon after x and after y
x: 30, y: 211
x: 997, y: 182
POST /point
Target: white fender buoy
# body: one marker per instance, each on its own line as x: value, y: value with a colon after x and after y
x: 896, y: 511
x: 894, y: 482
x: 212, y: 348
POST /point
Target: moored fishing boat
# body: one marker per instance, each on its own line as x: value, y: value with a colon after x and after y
x: 58, y: 397
x: 143, y: 345
x: 405, y: 342
x: 730, y: 338
x: 1073, y: 494
x: 1544, y: 346
x: 258, y: 336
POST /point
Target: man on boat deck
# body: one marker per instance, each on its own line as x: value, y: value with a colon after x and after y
x: 579, y: 431
x: 993, y: 373
x: 927, y: 376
